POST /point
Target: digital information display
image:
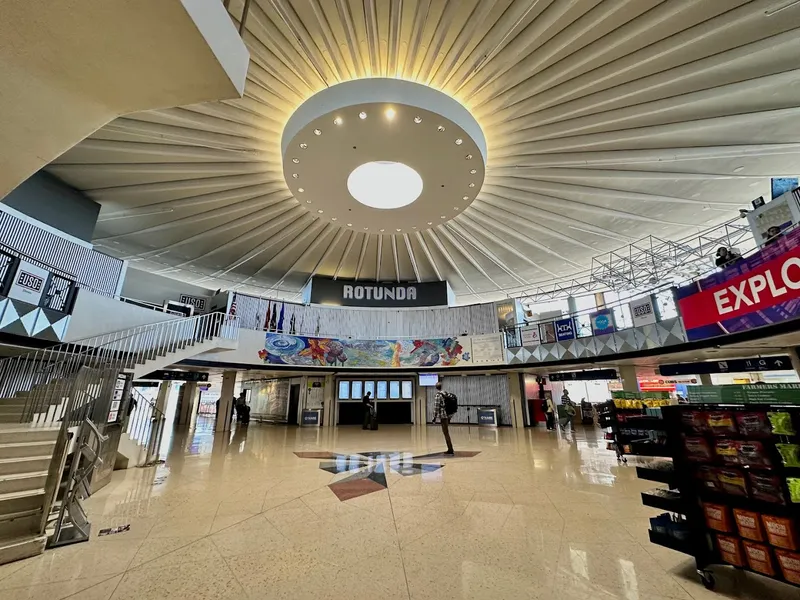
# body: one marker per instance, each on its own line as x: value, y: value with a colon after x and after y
x: 394, y: 390
x: 382, y: 390
x: 369, y: 386
x: 428, y: 379
x: 344, y: 390
x: 357, y: 390
x: 408, y: 390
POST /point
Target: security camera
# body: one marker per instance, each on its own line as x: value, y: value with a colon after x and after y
x: 743, y: 212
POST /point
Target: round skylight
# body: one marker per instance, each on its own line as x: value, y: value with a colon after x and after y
x: 384, y: 184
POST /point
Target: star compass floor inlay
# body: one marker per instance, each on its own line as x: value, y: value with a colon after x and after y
x: 366, y: 471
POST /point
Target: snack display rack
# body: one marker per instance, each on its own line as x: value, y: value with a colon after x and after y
x: 634, y: 427
x: 734, y: 488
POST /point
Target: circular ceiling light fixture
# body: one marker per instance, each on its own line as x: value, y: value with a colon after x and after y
x: 362, y: 115
x: 338, y: 121
x: 390, y: 113
x: 440, y: 128
x: 384, y: 184
x: 303, y: 146
x: 459, y: 141
x: 417, y: 120
x: 318, y: 132
x: 296, y: 160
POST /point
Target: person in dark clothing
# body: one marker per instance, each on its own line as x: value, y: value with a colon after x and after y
x: 726, y: 257
x: 367, y: 400
x: 440, y: 412
x: 773, y: 235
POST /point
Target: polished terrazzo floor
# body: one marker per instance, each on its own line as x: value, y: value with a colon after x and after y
x: 526, y: 514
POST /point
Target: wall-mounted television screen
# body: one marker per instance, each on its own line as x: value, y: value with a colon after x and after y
x: 408, y: 389
x: 357, y: 390
x: 394, y: 390
x: 344, y: 390
x: 428, y: 379
x: 382, y: 389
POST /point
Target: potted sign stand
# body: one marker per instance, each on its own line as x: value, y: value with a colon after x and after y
x: 311, y: 417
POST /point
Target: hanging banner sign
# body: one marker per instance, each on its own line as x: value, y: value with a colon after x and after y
x: 565, y: 330
x: 643, y: 311
x: 198, y: 302
x: 594, y: 375
x: 28, y: 283
x: 758, y: 291
x: 603, y: 322
x: 530, y: 336
x: 340, y: 292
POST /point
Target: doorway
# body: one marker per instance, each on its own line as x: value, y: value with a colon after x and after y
x: 294, y: 404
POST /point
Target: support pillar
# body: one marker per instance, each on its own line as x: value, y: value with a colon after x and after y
x: 329, y: 403
x: 223, y: 420
x: 628, y: 375
x: 163, y: 396
x: 705, y: 379
x: 516, y: 396
x: 189, y: 398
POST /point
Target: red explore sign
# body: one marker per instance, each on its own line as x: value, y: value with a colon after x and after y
x: 767, y: 284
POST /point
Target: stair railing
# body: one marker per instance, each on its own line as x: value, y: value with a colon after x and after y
x: 145, y: 425
x: 43, y: 376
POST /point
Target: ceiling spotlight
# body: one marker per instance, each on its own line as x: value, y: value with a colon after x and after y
x: 308, y: 201
x: 471, y: 185
x: 296, y: 161
x: 318, y: 132
x: 442, y: 217
x: 390, y: 113
x: 455, y: 208
x: 320, y: 211
x: 440, y: 128
x: 430, y: 222
x: 473, y: 171
x: 303, y: 146
x: 465, y: 197
x: 301, y: 190
x: 349, y: 224
x: 468, y: 157
x: 362, y: 115
x: 414, y: 227
x: 382, y: 230
x: 366, y: 228
x: 417, y: 120
x: 295, y: 175
x: 459, y: 141
x: 333, y: 218
x: 338, y: 121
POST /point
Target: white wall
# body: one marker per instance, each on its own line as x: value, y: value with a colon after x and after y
x: 250, y: 342
x: 95, y: 315
x: 141, y: 285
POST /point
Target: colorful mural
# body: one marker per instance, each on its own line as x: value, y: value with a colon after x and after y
x: 282, y: 349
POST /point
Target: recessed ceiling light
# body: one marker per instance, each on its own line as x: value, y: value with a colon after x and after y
x: 468, y: 157
x: 414, y: 227
x: 440, y: 128
x: 295, y: 175
x: 338, y: 121
x: 418, y: 120
x: 430, y: 222
x: 301, y: 190
x: 382, y: 230
x: 349, y: 224
x: 296, y: 161
x: 366, y: 228
x: 318, y: 132
x: 465, y: 197
x: 333, y: 218
x: 308, y: 201
x: 362, y: 115
x: 442, y: 217
x: 320, y: 211
x: 390, y: 113
x: 455, y: 208
x: 473, y: 171
x: 398, y: 230
x: 471, y: 185
x: 459, y: 141
x: 384, y: 184
x: 303, y: 146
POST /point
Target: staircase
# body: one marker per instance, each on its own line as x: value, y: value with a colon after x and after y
x: 50, y: 401
x: 141, y: 439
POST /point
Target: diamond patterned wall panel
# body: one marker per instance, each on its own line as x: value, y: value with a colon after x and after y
x: 26, y: 320
x: 605, y: 345
x: 626, y: 340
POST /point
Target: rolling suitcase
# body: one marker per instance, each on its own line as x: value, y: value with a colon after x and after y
x: 373, y: 419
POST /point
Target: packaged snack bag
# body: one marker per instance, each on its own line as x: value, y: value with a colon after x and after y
x: 790, y: 454
x: 728, y: 451
x: 732, y: 481
x: 721, y: 422
x: 707, y: 477
x: 790, y: 565
x: 794, y: 488
x: 781, y: 423
x: 753, y: 454
x: 759, y: 558
x: 718, y: 517
x: 753, y: 424
x: 780, y: 532
x: 748, y: 524
x: 730, y: 548
x: 697, y: 448
x: 694, y: 421
x: 766, y: 488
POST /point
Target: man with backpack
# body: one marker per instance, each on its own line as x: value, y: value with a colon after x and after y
x: 445, y: 406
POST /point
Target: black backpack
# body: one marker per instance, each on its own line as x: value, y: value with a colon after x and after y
x: 450, y: 402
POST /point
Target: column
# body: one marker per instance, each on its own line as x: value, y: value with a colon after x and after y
x: 223, y: 421
x: 163, y: 396
x: 628, y: 375
x: 572, y: 305
x: 516, y: 397
x: 189, y: 398
x: 329, y: 402
x: 600, y: 299
x: 705, y: 379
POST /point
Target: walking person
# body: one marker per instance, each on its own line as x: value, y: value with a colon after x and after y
x: 367, y: 401
x: 445, y: 406
x: 550, y: 414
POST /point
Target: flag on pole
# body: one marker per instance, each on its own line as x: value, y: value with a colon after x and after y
x: 292, y: 325
x: 280, y: 320
x: 232, y: 310
x: 273, y: 322
x: 266, y: 318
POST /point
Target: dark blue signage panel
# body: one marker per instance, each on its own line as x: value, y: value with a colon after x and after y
x: 487, y: 417
x: 311, y: 418
x: 565, y: 330
x: 603, y: 322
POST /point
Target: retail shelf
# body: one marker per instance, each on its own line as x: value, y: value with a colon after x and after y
x: 650, y: 449
x: 662, y: 539
x: 662, y: 471
x: 759, y: 506
x: 664, y: 499
x: 644, y: 422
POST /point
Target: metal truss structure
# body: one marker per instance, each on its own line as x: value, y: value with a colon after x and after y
x: 647, y: 263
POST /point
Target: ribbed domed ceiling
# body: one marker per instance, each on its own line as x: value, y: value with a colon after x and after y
x: 605, y: 122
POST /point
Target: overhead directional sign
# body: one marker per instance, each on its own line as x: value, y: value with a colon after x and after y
x: 739, y: 365
x: 177, y: 376
x: 584, y: 375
